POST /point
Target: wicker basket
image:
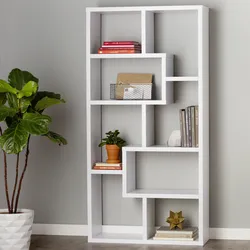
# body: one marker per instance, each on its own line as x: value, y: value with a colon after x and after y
x: 131, y: 91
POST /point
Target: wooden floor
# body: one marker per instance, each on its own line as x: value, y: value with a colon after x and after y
x: 80, y: 243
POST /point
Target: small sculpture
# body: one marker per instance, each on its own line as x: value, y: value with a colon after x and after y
x: 175, y: 139
x: 175, y: 220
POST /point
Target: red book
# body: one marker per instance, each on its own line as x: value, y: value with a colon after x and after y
x: 120, y: 43
x: 118, y: 51
x: 120, y: 46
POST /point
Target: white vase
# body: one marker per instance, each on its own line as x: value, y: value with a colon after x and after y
x: 16, y: 229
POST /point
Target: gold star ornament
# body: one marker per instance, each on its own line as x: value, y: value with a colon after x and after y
x: 175, y: 220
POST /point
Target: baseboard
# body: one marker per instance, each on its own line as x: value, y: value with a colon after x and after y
x: 82, y: 230
x: 58, y: 229
x: 230, y: 233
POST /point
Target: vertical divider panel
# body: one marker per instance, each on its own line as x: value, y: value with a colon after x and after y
x: 169, y: 71
x: 129, y: 171
x: 94, y: 183
x: 88, y: 126
x: 148, y: 125
x: 203, y: 75
x: 147, y: 26
x: 96, y: 82
x: 95, y: 194
x: 163, y: 77
x: 148, y: 219
x: 96, y: 203
x: 95, y: 32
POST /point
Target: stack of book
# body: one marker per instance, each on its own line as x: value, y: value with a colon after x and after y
x: 189, y: 126
x: 188, y: 234
x: 107, y: 166
x: 120, y: 47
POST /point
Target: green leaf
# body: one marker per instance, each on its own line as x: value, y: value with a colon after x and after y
x: 14, y: 139
x: 102, y: 144
x: 47, y: 102
x: 2, y: 98
x: 12, y: 100
x: 36, y: 124
x: 24, y: 104
x: 6, y: 112
x: 18, y: 78
x: 28, y: 89
x: 41, y: 94
x: 56, y: 138
x: 6, y: 88
x: 10, y: 121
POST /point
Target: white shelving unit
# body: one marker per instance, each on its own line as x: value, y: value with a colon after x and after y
x: 97, y: 101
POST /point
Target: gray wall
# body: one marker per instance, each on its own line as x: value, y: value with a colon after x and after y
x: 48, y: 38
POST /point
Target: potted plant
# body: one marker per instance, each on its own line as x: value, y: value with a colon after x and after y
x: 21, y: 111
x: 113, y: 145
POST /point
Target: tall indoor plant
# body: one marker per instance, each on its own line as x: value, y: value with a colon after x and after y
x: 21, y: 116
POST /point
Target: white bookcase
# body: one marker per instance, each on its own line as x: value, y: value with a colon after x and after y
x: 99, y: 68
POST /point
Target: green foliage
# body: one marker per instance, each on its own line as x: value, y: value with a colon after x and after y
x: 6, y: 112
x: 18, y: 78
x: 112, y: 138
x: 14, y: 139
x: 36, y: 124
x: 21, y: 106
x: 2, y: 99
x: 12, y: 100
x: 41, y: 94
x: 56, y: 138
x: 47, y: 102
x: 28, y: 89
x: 6, y: 88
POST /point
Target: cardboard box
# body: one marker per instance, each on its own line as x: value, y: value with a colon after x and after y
x: 133, y: 86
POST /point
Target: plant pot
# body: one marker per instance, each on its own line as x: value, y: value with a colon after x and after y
x: 113, y: 152
x: 16, y: 229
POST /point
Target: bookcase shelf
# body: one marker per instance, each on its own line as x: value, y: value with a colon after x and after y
x: 177, y: 242
x: 182, y: 79
x: 164, y: 194
x: 161, y: 148
x: 111, y: 172
x: 127, y: 102
x: 128, y: 56
x: 155, y: 177
x: 117, y: 238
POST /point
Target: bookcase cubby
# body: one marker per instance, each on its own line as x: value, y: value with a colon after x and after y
x: 178, y: 26
x: 113, y: 209
x: 105, y: 67
x: 126, y: 206
x: 163, y: 206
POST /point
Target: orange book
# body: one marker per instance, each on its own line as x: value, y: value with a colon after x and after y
x: 120, y: 43
x: 107, y: 168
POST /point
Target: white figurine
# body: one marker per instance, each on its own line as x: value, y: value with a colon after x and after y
x: 175, y: 139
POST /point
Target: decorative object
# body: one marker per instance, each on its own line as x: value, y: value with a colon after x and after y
x: 175, y: 220
x: 185, y: 234
x: 21, y: 109
x: 133, y: 86
x: 113, y: 145
x: 15, y: 229
x: 175, y: 139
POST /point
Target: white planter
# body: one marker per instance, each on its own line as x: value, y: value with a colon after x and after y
x: 16, y: 229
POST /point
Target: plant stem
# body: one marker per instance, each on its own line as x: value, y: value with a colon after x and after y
x: 6, y: 176
x: 15, y: 185
x: 22, y: 176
